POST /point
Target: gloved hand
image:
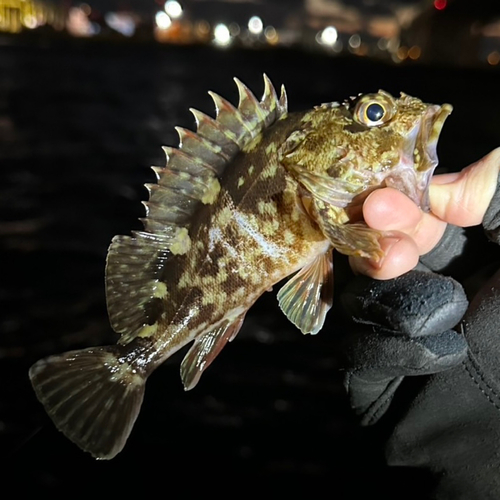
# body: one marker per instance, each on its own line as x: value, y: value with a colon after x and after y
x: 406, y: 330
x: 451, y: 427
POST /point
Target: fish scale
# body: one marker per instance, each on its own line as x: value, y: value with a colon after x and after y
x: 251, y: 197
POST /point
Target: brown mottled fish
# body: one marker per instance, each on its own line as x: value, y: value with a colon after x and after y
x: 251, y: 197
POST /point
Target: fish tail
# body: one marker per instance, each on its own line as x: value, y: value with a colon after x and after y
x: 92, y: 395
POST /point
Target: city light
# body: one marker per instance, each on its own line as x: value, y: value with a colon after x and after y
x: 383, y: 44
x: 440, y: 4
x: 85, y: 8
x: 493, y: 58
x: 16, y: 15
x: 357, y: 31
x: 222, y: 35
x: 271, y: 35
x: 202, y: 28
x: 30, y: 21
x: 402, y: 52
x: 78, y: 23
x: 255, y: 25
x: 414, y: 52
x: 328, y: 36
x: 163, y: 20
x: 173, y: 9
x: 121, y: 22
x: 234, y: 29
x: 355, y: 41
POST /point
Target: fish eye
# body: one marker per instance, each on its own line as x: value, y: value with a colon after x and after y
x: 373, y: 110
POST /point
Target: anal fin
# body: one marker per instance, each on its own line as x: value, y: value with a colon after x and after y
x: 205, y: 349
x: 308, y: 295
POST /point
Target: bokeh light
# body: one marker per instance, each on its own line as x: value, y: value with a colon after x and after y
x: 414, y: 52
x: 271, y: 35
x: 173, y: 9
x: 329, y: 36
x: 440, y: 4
x: 163, y: 20
x: 354, y: 41
x: 493, y: 58
x: 222, y: 35
x: 121, y: 22
x: 255, y: 25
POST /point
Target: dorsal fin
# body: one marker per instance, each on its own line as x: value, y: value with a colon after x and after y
x: 189, y: 179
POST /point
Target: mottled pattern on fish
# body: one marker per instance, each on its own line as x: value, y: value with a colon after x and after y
x: 253, y: 235
x: 252, y: 197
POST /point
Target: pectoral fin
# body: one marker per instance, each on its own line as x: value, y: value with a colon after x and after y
x: 308, y: 295
x: 332, y: 191
x: 205, y: 349
x: 330, y: 196
x: 354, y: 239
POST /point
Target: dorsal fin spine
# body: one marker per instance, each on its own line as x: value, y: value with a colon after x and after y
x: 244, y: 121
x: 198, y: 147
x: 181, y: 161
x: 283, y: 103
x: 210, y: 129
x: 229, y: 117
x: 158, y: 171
x: 221, y: 105
x: 269, y: 101
x: 186, y: 134
x: 248, y: 105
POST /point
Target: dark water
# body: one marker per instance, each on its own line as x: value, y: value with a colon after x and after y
x: 79, y: 127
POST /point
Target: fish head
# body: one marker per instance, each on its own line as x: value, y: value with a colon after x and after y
x: 410, y: 130
x: 373, y: 140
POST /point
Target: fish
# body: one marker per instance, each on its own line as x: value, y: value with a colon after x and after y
x: 253, y: 196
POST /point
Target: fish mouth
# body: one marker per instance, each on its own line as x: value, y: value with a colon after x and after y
x: 425, y: 157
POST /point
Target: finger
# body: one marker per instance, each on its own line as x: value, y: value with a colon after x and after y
x: 463, y: 198
x: 390, y: 210
x: 401, y: 255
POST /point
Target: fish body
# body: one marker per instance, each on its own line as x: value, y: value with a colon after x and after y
x: 252, y: 197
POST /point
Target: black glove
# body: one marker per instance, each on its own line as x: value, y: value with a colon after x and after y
x: 451, y: 425
x: 410, y: 332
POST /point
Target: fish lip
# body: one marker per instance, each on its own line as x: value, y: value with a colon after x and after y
x: 425, y: 153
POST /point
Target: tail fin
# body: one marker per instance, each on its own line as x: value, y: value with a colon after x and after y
x: 93, y: 396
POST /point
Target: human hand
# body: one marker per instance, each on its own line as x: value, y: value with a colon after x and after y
x: 460, y: 199
x: 451, y: 426
x: 411, y: 316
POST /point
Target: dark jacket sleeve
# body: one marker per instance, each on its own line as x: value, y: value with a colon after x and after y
x: 452, y: 427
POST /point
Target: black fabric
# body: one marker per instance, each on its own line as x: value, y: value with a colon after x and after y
x: 491, y: 220
x: 449, y: 249
x: 449, y: 425
x: 410, y: 333
x: 453, y: 426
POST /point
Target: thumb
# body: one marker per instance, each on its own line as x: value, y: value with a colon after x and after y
x: 463, y: 198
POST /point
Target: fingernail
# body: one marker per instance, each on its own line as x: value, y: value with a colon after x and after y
x: 386, y: 243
